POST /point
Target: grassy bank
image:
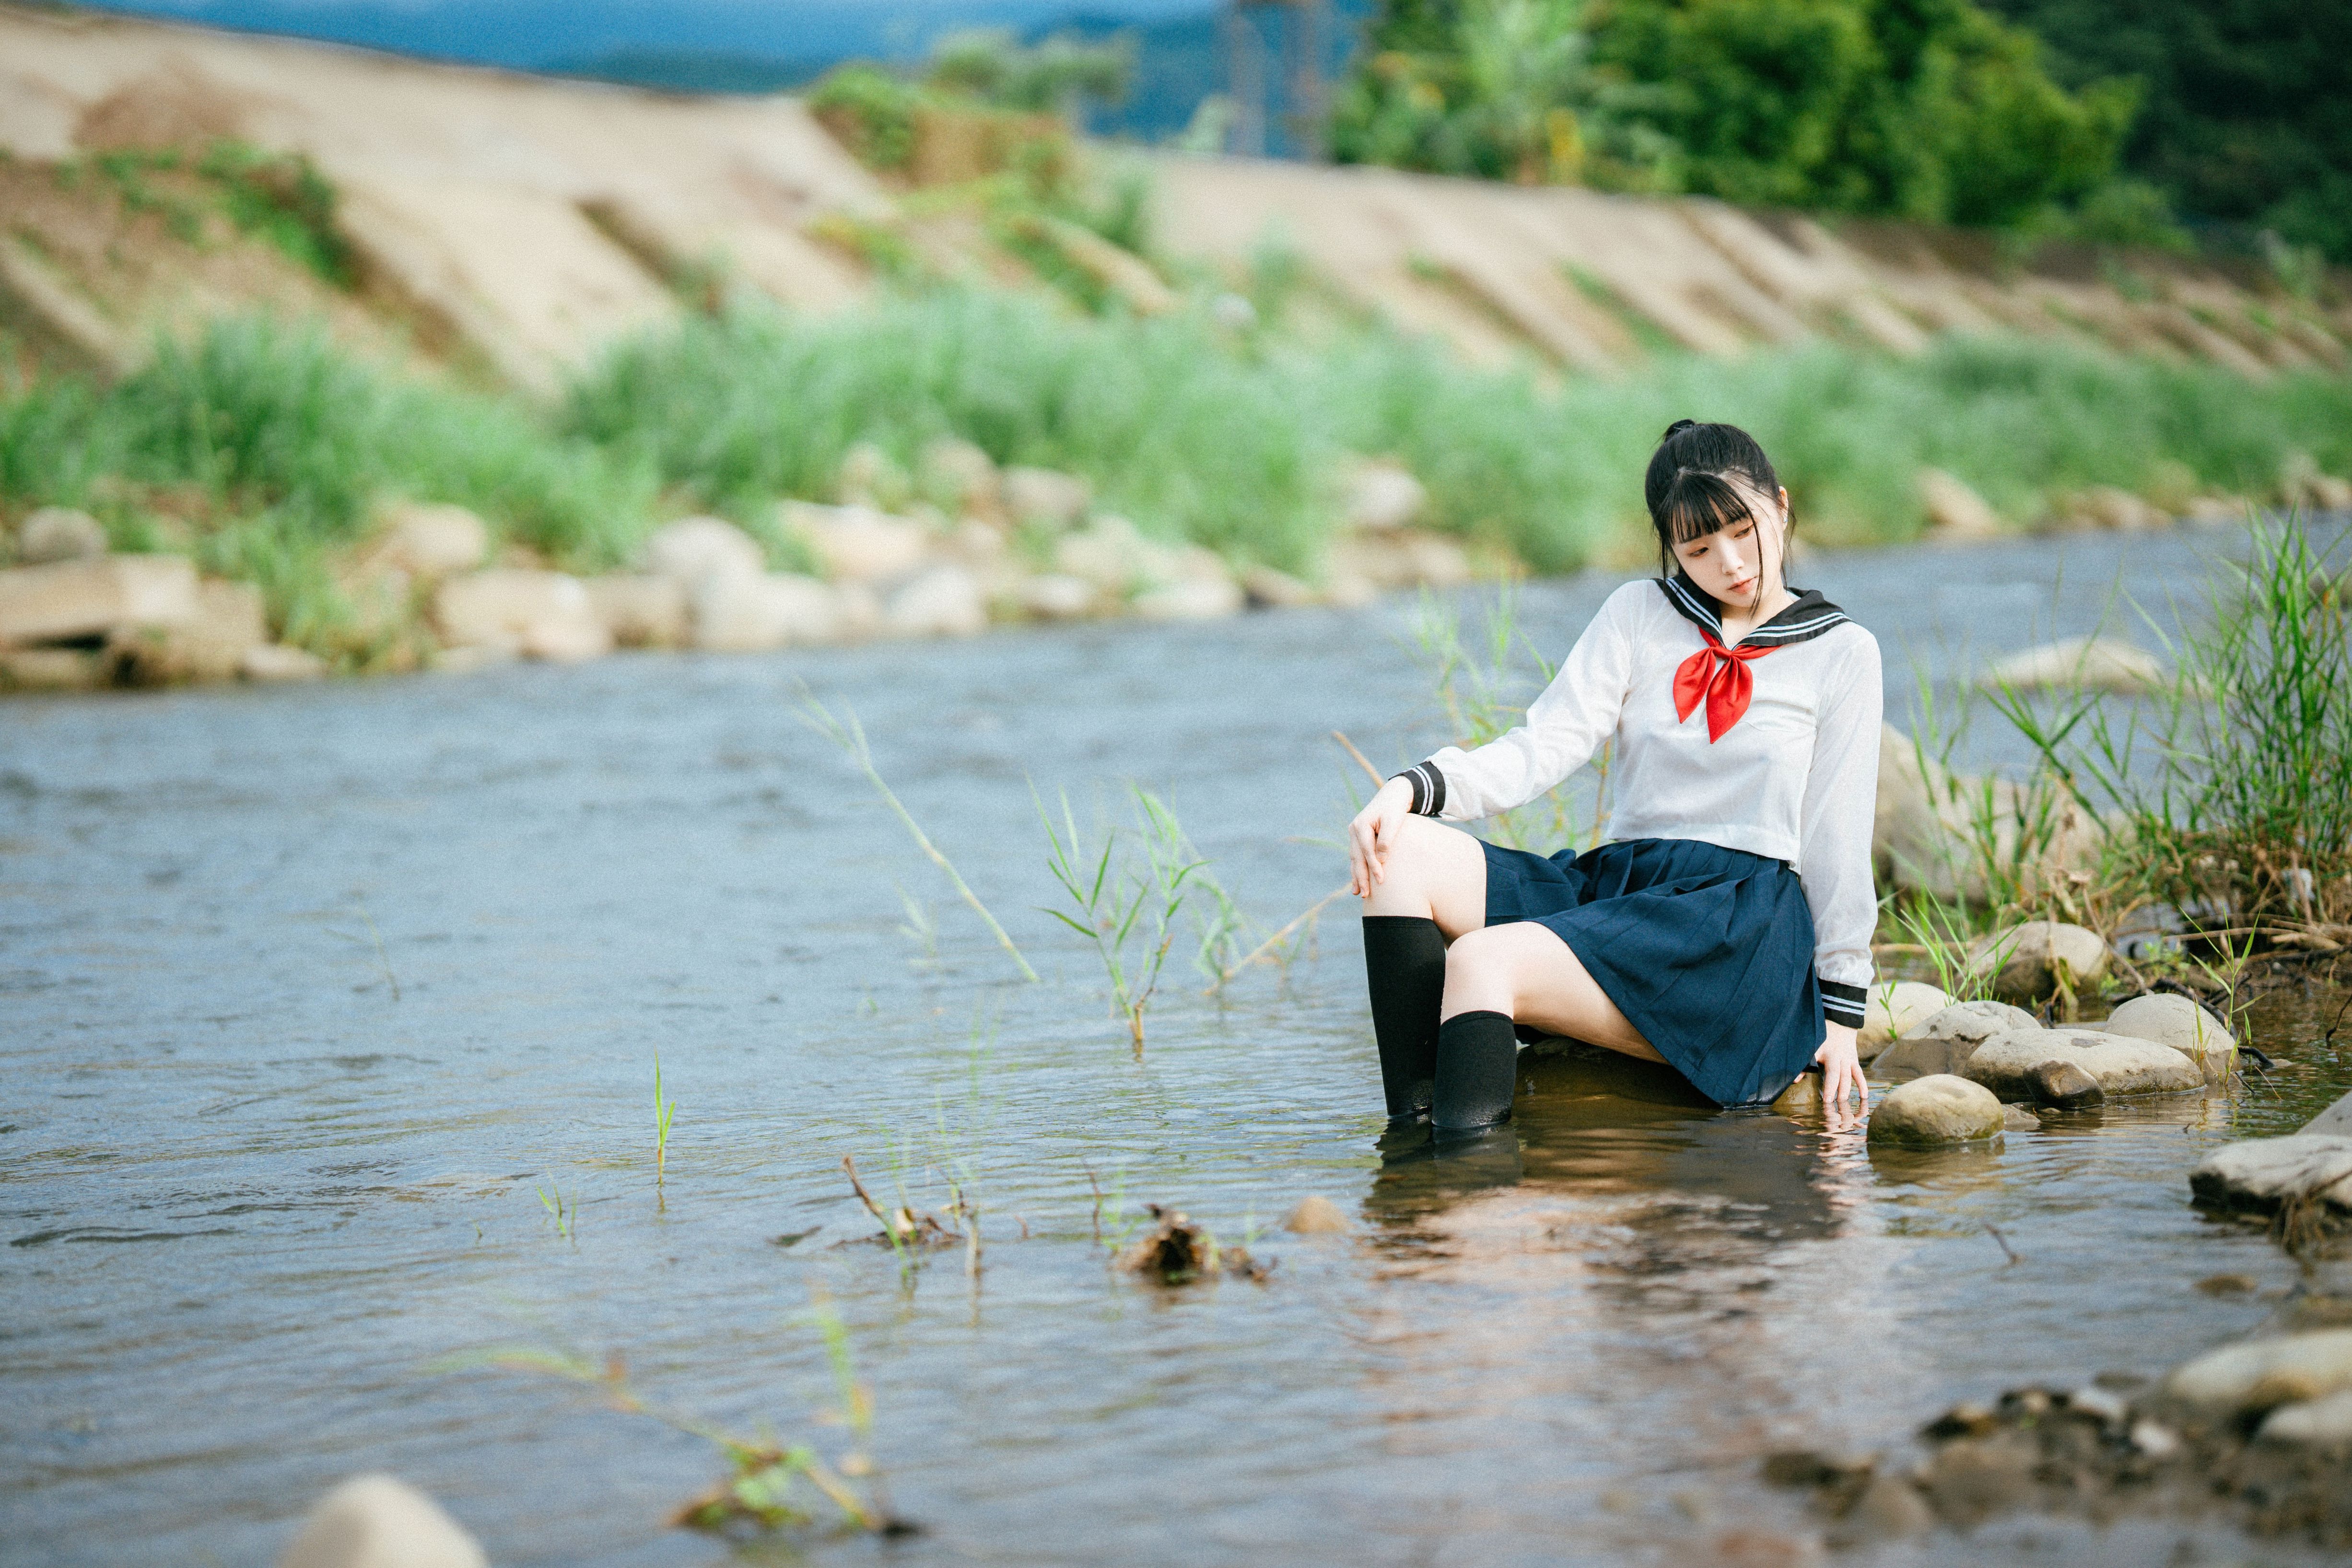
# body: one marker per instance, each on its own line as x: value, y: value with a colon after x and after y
x: 263, y: 449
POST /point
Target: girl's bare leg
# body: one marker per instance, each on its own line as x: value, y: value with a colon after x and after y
x: 1530, y: 976
x: 1436, y: 873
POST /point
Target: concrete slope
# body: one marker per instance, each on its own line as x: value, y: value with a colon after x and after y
x: 522, y: 222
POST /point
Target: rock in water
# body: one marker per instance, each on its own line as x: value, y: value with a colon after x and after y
x: 1317, y: 1216
x: 1934, y: 1110
x: 859, y: 544
x: 640, y: 609
x: 70, y: 599
x: 2030, y: 963
x: 2261, y: 1175
x: 2336, y: 1121
x: 2019, y: 1067
x: 1047, y: 498
x: 277, y: 662
x: 762, y: 612
x: 1945, y: 1041
x: 537, y: 615
x: 2065, y: 1086
x: 59, y: 533
x: 376, y: 1521
x: 2177, y: 1022
x: 2251, y: 1378
x: 1894, y: 1011
x: 210, y: 646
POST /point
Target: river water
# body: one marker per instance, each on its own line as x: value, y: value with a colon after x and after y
x: 314, y: 998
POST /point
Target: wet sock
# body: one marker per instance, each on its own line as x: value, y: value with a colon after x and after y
x: 1405, y: 968
x: 1477, y: 1067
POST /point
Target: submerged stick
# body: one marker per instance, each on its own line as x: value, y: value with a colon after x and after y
x: 1297, y: 920
x: 1362, y: 761
x: 850, y: 736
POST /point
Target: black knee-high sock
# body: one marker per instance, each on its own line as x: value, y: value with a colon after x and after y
x: 1477, y: 1067
x: 1405, y: 968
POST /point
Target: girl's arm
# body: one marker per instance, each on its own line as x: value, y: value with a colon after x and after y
x: 1833, y: 858
x: 1565, y: 725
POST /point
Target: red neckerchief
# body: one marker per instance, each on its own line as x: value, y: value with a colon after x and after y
x: 1719, y: 674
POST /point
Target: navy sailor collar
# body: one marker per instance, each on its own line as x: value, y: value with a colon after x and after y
x: 1808, y: 618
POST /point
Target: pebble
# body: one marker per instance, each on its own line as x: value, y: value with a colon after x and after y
x: 1937, y: 1109
x: 378, y: 1522
x: 1317, y: 1216
x: 2263, y: 1374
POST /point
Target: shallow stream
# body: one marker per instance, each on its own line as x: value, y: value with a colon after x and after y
x: 310, y: 998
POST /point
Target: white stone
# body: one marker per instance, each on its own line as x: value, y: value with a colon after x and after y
x: 2263, y: 1173
x: 538, y: 614
x: 694, y: 549
x: 1896, y: 1008
x: 1056, y: 597
x: 377, y: 1521
x: 1108, y: 552
x: 1196, y: 599
x: 755, y: 613
x: 59, y: 533
x: 1954, y: 511
x: 207, y: 647
x: 1383, y: 497
x: 430, y: 543
x: 942, y: 602
x: 1945, y: 1041
x: 2088, y: 664
x: 2030, y: 962
x: 2265, y: 1374
x: 2006, y: 1063
x: 1046, y: 498
x: 859, y: 544
x: 91, y: 598
x: 640, y: 609
x: 2177, y: 1022
x: 277, y: 662
x: 960, y: 477
x: 2316, y: 1423
x: 1936, y: 1110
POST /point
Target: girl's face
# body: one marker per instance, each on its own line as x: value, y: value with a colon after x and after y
x: 1739, y: 564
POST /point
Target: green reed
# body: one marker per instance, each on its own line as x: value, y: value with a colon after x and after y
x: 664, y: 1108
x: 1115, y: 899
x: 848, y: 734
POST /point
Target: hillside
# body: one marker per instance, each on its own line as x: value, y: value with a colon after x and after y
x: 515, y: 224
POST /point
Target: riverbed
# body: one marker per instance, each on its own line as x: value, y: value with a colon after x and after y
x: 318, y: 1001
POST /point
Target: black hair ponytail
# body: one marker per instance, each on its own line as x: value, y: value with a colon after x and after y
x: 1694, y: 480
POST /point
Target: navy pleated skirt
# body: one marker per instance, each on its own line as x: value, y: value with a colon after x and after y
x: 1708, y: 951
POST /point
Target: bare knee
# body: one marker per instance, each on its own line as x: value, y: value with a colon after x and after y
x: 1435, y: 872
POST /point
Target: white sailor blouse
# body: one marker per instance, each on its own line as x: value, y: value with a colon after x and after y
x: 1770, y: 747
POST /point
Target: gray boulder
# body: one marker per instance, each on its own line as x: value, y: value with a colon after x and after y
x: 2024, y: 1066
x: 1945, y: 1041
x: 1934, y: 1110
x: 2261, y: 1176
x: 2334, y: 1121
x: 1894, y: 1010
x: 2177, y: 1022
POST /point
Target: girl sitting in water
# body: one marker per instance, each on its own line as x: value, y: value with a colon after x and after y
x: 1725, y: 929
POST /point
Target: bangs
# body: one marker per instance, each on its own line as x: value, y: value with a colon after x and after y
x: 1697, y: 505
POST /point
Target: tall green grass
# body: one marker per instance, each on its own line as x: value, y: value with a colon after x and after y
x: 265, y: 448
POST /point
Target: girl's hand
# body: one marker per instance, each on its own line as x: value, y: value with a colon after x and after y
x: 1374, y: 833
x: 1840, y: 1076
